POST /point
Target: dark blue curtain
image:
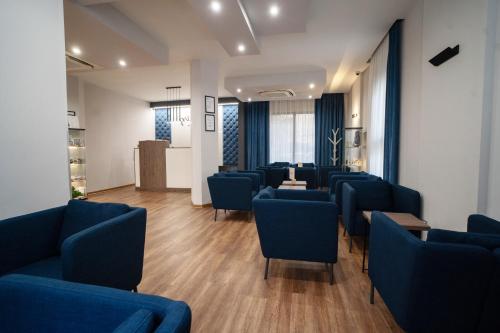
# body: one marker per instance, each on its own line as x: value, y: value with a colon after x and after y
x: 393, y: 105
x: 256, y: 134
x: 328, y: 115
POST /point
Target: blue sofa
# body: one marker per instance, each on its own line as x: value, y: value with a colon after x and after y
x: 34, y: 304
x: 360, y: 195
x: 297, y: 225
x: 449, y: 283
x: 325, y: 170
x: 233, y: 191
x: 336, y: 182
x: 87, y: 242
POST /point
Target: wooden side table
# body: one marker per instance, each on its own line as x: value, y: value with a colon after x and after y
x: 291, y: 187
x: 294, y: 183
x: 408, y: 221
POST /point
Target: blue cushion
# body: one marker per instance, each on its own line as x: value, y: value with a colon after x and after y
x: 140, y: 322
x: 50, y: 268
x: 490, y: 242
x: 483, y: 224
x: 267, y: 193
x: 80, y: 215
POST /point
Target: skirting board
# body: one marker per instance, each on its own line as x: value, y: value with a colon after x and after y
x: 109, y: 189
x: 202, y: 206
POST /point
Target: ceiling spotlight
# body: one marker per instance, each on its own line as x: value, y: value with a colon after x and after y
x: 249, y: 99
x: 76, y: 50
x: 122, y: 63
x: 311, y: 85
x: 310, y: 97
x: 241, y: 48
x: 238, y: 90
x: 274, y: 10
x: 215, y: 6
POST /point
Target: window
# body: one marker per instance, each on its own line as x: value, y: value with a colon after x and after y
x: 291, y: 131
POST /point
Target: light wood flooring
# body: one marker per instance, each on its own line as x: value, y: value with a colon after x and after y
x: 218, y: 268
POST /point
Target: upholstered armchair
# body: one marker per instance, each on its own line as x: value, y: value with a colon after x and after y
x: 297, y: 225
x: 261, y: 174
x: 337, y: 180
x: 232, y: 191
x: 87, y: 242
x: 449, y: 283
x: 324, y: 171
x: 274, y: 175
x: 360, y: 195
x: 35, y: 304
x: 309, y: 174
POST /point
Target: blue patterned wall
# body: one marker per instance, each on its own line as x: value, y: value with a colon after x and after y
x: 230, y: 137
x: 162, y: 124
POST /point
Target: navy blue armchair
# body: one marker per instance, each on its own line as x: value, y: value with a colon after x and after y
x: 35, y: 304
x: 336, y: 182
x: 87, y: 242
x: 325, y: 170
x: 274, y: 175
x: 308, y: 174
x: 440, y: 285
x: 232, y: 191
x: 360, y: 195
x: 297, y: 225
x: 262, y: 176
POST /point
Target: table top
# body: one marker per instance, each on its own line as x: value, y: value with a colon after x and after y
x: 292, y: 187
x: 295, y: 182
x: 407, y: 221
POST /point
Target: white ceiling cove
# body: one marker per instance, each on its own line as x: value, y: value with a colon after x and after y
x: 336, y: 36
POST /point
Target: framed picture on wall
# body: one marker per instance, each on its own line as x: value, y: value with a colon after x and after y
x: 210, y: 123
x: 209, y: 104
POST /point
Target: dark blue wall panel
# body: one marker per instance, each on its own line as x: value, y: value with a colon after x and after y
x: 162, y: 124
x: 230, y: 134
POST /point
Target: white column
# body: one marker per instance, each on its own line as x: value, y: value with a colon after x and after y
x: 204, y: 82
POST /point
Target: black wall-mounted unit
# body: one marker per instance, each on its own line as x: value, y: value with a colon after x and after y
x: 445, y: 55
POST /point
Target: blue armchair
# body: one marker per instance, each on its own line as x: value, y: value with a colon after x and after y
x: 87, y: 242
x: 274, y: 175
x: 297, y: 225
x: 309, y: 175
x: 35, y: 304
x: 262, y: 176
x: 232, y: 191
x: 360, y: 195
x: 336, y: 182
x: 435, y: 286
x: 324, y: 171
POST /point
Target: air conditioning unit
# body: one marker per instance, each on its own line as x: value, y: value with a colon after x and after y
x: 277, y: 93
x: 74, y: 64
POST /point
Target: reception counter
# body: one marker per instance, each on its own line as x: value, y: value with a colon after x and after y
x: 178, y: 169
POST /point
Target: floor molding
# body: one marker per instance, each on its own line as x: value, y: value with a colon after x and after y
x: 110, y: 189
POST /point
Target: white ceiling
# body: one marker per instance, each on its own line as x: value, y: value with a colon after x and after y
x: 339, y: 37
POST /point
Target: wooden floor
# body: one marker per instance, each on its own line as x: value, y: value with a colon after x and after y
x: 217, y: 268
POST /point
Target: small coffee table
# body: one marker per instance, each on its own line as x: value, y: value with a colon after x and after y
x: 408, y: 221
x: 294, y: 183
x: 291, y: 187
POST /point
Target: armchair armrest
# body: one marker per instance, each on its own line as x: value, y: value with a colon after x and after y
x: 483, y: 224
x: 307, y: 195
x: 29, y: 238
x: 348, y: 206
x: 109, y: 254
x: 406, y: 200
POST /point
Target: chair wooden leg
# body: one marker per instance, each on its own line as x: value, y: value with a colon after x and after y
x: 134, y: 290
x: 372, y: 294
x: 345, y: 230
x: 331, y: 274
x: 215, y: 218
x: 267, y: 269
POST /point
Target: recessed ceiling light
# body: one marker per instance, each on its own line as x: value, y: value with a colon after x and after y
x: 274, y: 10
x: 310, y: 97
x: 241, y: 48
x: 249, y: 99
x: 76, y: 50
x: 238, y: 90
x: 311, y: 85
x: 122, y: 63
x: 215, y: 6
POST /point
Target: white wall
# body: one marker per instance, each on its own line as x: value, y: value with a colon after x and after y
x: 115, y: 124
x: 442, y: 108
x: 34, y: 171
x: 76, y: 102
x: 353, y: 105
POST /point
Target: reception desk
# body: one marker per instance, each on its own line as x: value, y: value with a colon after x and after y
x: 178, y: 169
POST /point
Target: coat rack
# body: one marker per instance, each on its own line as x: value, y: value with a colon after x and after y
x: 335, y: 142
